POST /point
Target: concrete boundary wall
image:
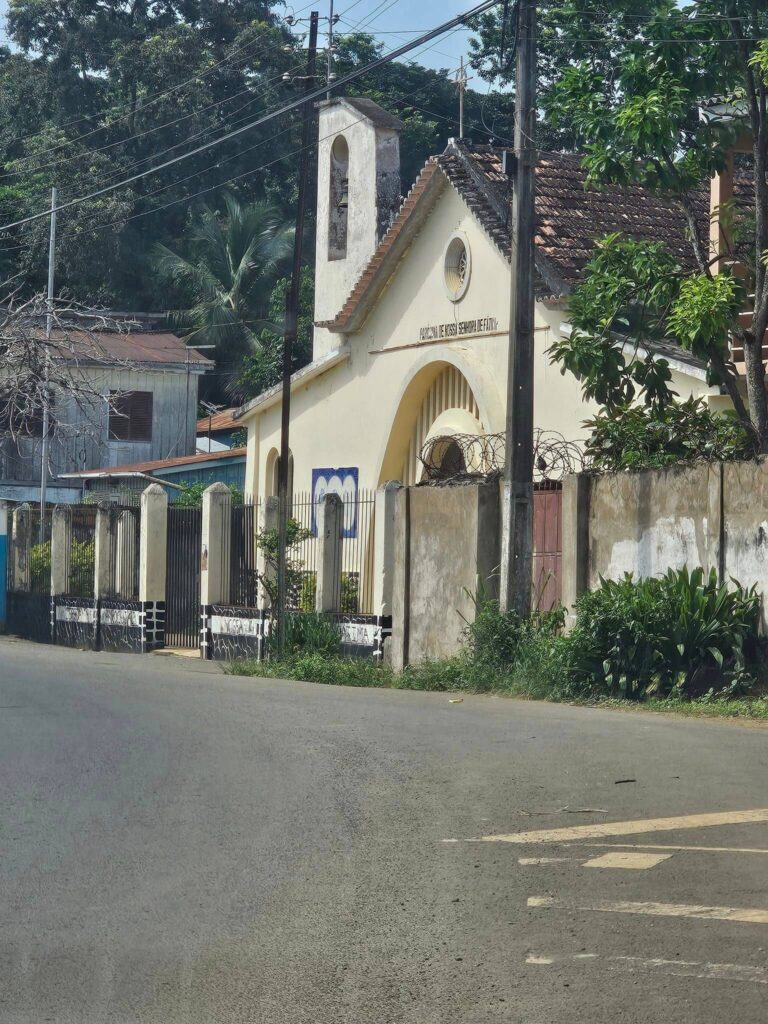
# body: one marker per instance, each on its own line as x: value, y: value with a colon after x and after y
x: 712, y: 514
x: 447, y: 551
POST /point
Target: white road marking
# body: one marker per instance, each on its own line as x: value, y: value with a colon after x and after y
x: 531, y: 861
x: 630, y: 828
x: 674, y: 849
x: 745, y: 915
x: 677, y: 968
x: 627, y: 860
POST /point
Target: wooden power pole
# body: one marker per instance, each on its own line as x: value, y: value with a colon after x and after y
x: 289, y: 338
x: 517, y: 529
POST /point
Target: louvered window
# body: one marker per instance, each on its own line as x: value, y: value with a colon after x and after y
x: 130, y: 416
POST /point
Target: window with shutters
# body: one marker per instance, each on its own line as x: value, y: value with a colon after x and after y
x: 130, y: 416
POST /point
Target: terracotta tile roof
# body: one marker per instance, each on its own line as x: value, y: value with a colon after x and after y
x: 158, y: 464
x: 224, y: 419
x: 570, y: 217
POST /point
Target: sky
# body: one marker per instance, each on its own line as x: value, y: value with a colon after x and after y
x: 391, y: 21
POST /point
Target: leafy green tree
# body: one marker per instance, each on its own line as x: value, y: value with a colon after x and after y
x: 642, y: 124
x: 263, y: 368
x: 589, y: 32
x: 227, y: 277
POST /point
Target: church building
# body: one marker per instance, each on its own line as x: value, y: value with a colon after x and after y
x: 412, y: 305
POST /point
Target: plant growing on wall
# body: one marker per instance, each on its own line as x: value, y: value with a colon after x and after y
x: 642, y: 124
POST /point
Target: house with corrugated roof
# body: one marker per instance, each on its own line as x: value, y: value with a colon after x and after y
x: 141, y: 387
x: 412, y: 303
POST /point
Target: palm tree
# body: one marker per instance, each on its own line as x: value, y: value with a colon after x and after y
x: 228, y: 279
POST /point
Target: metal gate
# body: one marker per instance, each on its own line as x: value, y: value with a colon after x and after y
x: 182, y: 587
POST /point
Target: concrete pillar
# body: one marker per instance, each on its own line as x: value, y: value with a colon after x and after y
x: 384, y: 547
x: 20, y: 556
x: 397, y: 649
x: 720, y: 193
x: 3, y: 563
x: 153, y: 543
x: 61, y: 550
x: 330, y: 529
x: 216, y: 543
x: 125, y: 556
x: 103, y: 569
x: 267, y: 570
x: 575, y: 541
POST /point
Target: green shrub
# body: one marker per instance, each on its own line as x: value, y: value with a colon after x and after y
x: 678, y: 634
x: 635, y: 437
x: 309, y: 633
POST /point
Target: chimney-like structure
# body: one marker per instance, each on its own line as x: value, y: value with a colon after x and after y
x: 358, y: 195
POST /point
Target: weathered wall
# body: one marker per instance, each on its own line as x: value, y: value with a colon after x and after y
x: 715, y: 516
x: 646, y: 523
x: 446, y: 552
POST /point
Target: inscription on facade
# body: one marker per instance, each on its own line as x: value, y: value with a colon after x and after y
x: 459, y: 328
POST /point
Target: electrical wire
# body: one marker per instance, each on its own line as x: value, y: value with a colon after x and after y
x: 310, y: 97
x: 145, y: 213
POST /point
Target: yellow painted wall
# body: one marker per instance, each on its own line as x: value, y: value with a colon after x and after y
x: 362, y: 412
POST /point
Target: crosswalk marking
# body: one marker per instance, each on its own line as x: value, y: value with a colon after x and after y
x: 676, y: 968
x: 745, y: 915
x: 630, y: 828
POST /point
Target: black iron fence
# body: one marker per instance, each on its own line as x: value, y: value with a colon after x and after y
x: 302, y: 554
x: 182, y: 587
x: 356, y: 591
x: 82, y: 552
x: 243, y: 555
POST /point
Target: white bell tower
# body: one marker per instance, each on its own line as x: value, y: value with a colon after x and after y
x: 358, y: 195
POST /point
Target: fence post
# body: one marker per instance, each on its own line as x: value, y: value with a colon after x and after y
x: 215, y: 553
x: 125, y: 558
x: 20, y: 555
x: 575, y: 534
x: 384, y: 561
x: 61, y: 548
x: 264, y: 568
x: 153, y: 546
x: 3, y: 564
x: 214, y: 564
x: 330, y: 525
x: 102, y: 553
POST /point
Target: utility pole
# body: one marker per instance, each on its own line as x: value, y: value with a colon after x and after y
x: 48, y: 330
x: 517, y: 530
x: 330, y: 73
x: 461, y: 83
x: 291, y: 325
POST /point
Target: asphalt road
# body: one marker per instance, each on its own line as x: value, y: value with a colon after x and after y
x: 177, y: 845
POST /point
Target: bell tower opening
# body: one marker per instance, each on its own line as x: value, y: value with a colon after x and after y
x: 338, y: 205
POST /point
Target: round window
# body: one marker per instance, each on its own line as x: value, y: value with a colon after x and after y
x: 457, y: 266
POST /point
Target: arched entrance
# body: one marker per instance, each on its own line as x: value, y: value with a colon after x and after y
x: 437, y: 403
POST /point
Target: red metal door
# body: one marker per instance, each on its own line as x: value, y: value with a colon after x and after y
x: 547, y: 544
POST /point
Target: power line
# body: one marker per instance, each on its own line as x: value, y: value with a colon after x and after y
x: 286, y: 108
x: 131, y: 138
x: 156, y: 96
x: 195, y: 195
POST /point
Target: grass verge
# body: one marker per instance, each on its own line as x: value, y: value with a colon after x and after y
x: 458, y: 675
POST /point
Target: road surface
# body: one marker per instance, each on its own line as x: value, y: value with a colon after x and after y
x: 177, y: 845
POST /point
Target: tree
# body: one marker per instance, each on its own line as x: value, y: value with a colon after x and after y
x: 57, y: 370
x: 263, y: 368
x: 642, y: 125
x: 589, y: 32
x: 227, y: 278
